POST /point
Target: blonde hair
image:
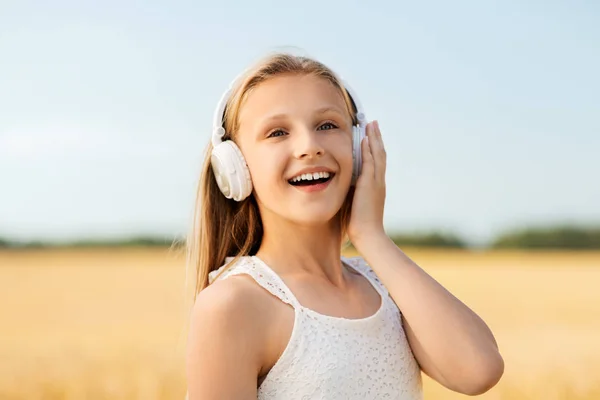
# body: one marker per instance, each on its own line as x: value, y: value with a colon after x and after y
x: 225, y: 228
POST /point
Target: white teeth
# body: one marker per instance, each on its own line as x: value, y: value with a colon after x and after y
x: 310, y: 177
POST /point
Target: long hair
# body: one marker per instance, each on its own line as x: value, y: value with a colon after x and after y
x: 225, y: 228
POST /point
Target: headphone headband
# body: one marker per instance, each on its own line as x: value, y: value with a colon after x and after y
x: 218, y: 131
x: 360, y: 114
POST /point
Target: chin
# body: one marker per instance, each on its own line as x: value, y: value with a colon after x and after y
x: 314, y: 220
x: 314, y: 214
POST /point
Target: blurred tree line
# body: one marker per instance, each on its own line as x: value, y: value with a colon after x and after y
x: 562, y: 237
x: 558, y: 237
x: 128, y: 242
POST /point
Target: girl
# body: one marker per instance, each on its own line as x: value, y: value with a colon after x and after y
x: 279, y: 313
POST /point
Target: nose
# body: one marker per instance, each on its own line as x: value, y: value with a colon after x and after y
x: 308, y: 145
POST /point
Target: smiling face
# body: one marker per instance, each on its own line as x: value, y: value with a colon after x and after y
x: 295, y: 131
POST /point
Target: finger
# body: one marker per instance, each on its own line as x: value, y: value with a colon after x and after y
x: 377, y: 141
x: 378, y: 151
x: 368, y: 165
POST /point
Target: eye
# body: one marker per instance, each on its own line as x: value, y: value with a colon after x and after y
x: 276, y: 133
x: 327, y: 126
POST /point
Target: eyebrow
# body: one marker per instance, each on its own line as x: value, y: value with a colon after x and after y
x: 319, y: 111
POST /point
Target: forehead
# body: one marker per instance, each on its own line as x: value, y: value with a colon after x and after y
x: 292, y: 95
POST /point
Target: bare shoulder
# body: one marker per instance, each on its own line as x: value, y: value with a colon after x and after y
x: 228, y: 303
x: 226, y: 340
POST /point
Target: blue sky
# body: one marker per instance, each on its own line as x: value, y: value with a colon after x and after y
x: 490, y: 111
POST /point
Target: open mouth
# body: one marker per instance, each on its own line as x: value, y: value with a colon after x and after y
x: 311, y: 179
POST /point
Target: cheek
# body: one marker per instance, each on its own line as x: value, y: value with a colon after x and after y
x: 266, y: 172
x: 343, y: 156
x: 343, y: 153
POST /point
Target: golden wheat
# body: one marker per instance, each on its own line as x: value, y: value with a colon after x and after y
x: 109, y: 324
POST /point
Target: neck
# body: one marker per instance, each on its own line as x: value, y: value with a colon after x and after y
x: 291, y: 249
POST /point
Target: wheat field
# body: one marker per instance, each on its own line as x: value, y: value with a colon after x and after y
x: 109, y: 323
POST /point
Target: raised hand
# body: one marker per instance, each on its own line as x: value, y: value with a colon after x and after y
x: 366, y: 218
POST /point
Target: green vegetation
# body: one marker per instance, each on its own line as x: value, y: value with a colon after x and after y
x: 561, y: 237
x: 433, y: 239
x: 141, y: 241
x: 553, y: 237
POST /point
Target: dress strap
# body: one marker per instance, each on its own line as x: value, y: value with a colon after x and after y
x: 359, y: 264
x: 261, y: 273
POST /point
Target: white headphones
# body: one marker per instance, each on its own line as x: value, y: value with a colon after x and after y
x: 228, y: 163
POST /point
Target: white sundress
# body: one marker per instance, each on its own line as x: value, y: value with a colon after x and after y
x: 337, y: 358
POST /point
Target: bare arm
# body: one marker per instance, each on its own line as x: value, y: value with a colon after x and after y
x: 451, y: 343
x: 223, y: 355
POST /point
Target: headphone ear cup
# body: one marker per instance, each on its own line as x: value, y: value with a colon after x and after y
x: 242, y: 172
x: 358, y: 133
x: 231, y: 172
